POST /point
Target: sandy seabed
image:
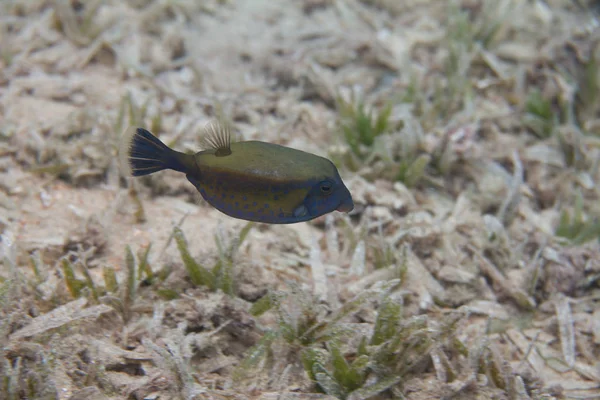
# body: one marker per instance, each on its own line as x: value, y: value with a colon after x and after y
x: 469, y: 268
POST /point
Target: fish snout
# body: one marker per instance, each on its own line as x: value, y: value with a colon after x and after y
x: 346, y: 205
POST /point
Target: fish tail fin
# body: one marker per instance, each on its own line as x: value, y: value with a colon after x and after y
x: 142, y: 153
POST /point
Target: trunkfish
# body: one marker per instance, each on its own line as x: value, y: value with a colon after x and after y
x: 249, y: 180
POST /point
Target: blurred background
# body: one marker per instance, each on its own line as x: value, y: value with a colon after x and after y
x: 468, y: 132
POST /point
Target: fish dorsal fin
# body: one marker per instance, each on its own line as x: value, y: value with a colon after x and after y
x: 217, y: 135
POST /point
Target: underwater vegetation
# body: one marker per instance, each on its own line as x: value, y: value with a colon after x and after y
x: 463, y: 136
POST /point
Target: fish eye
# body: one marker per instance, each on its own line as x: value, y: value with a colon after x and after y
x: 326, y: 187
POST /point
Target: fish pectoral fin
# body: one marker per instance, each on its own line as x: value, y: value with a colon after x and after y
x: 300, y: 211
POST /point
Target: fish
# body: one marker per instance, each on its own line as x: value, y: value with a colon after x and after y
x: 249, y: 180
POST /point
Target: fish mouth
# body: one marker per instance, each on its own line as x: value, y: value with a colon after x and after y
x: 346, y: 206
